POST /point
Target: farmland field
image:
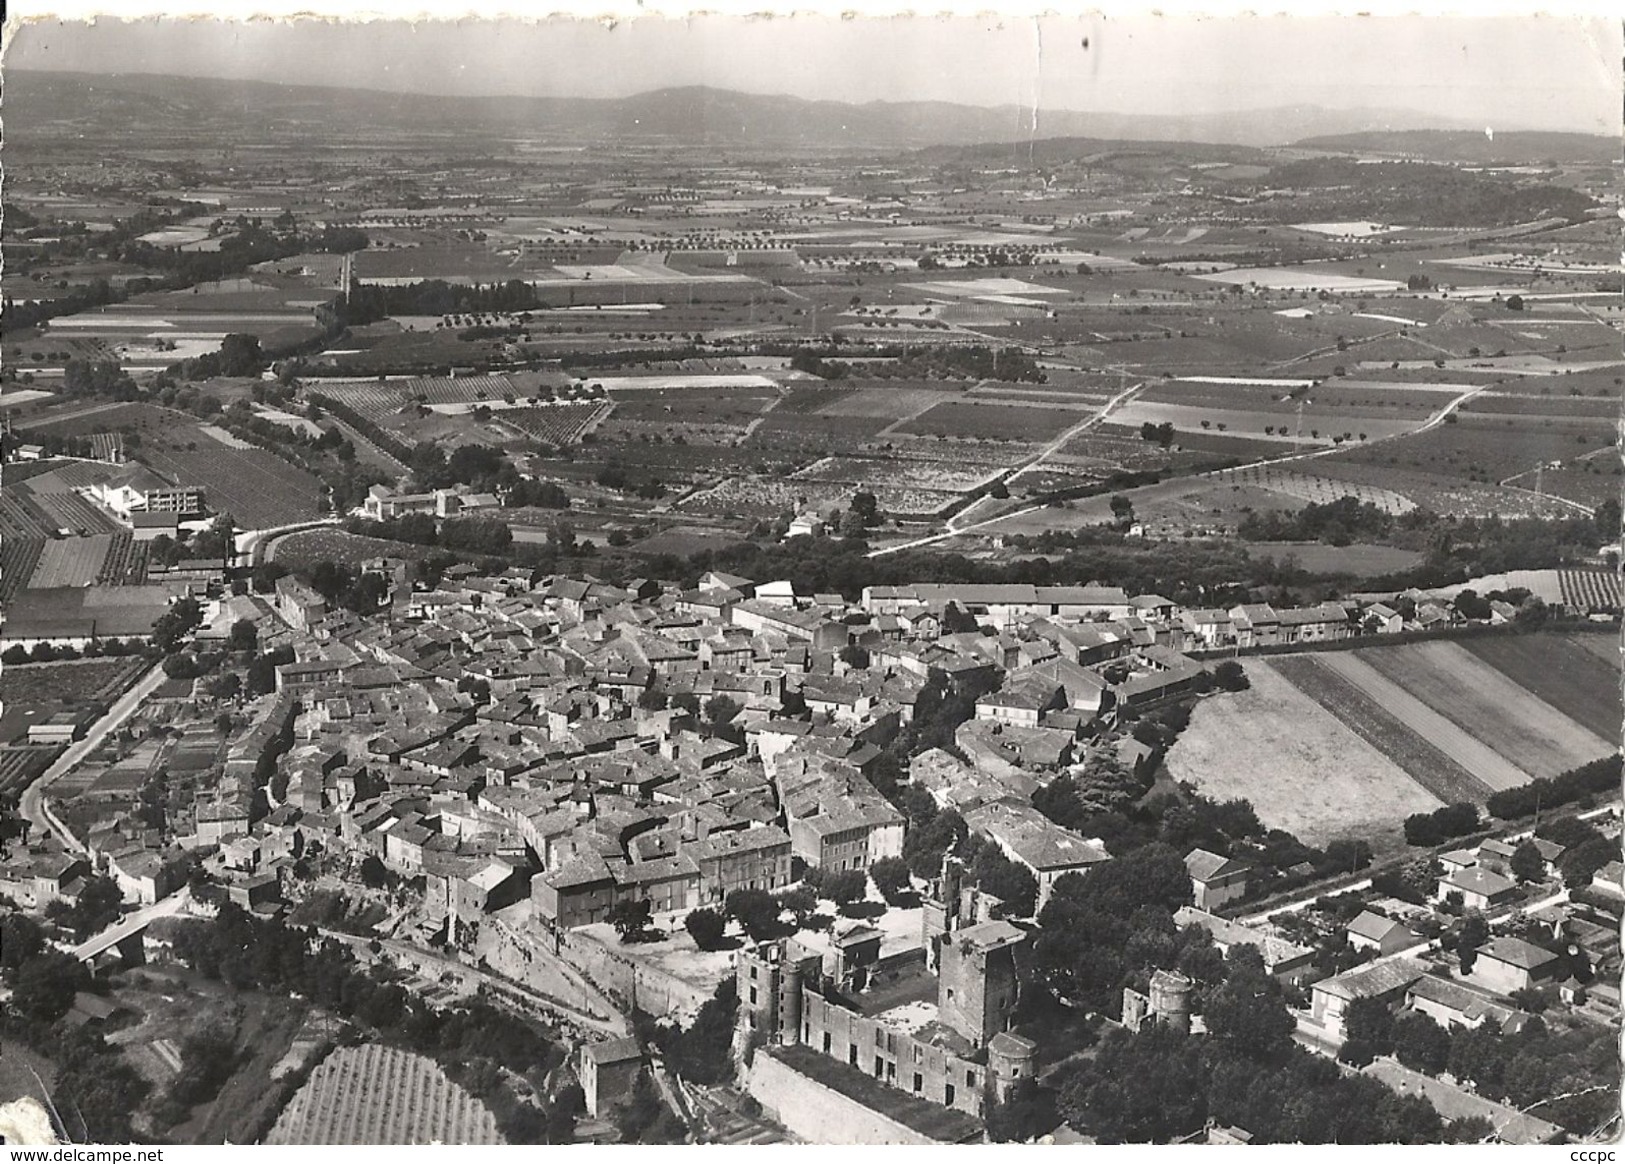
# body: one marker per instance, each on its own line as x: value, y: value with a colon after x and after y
x: 18, y: 557
x: 1425, y: 763
x: 381, y: 1095
x: 985, y: 422
x: 1442, y: 732
x: 79, y: 681
x: 1571, y: 677
x: 1303, y: 770
x: 306, y: 548
x: 1529, y: 732
x: 258, y: 489
x: 71, y: 561
x: 19, y: 766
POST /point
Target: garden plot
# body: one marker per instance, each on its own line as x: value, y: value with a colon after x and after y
x: 1301, y: 768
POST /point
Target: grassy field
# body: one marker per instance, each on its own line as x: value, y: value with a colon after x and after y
x: 1303, y: 770
x: 1559, y: 670
x: 992, y: 422
x: 380, y: 1095
x: 1361, y: 561
x: 1430, y: 766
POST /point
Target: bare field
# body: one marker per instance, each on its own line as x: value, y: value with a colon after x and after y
x: 1301, y: 768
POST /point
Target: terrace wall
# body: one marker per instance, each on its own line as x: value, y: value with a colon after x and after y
x: 819, y: 1114
x: 628, y: 981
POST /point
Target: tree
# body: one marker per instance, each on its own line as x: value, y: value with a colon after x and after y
x: 1368, y: 1021
x: 700, y: 1053
x: 1231, y: 676
x: 99, y: 903
x: 1249, y: 1013
x: 46, y: 985
x: 1023, y: 1115
x: 866, y: 506
x: 21, y: 939
x: 1474, y: 932
x: 845, y: 886
x: 891, y: 878
x: 176, y: 623
x: 755, y: 910
x: 706, y: 926
x: 721, y: 709
x: 854, y: 656
x: 631, y: 918
x: 1527, y: 864
x: 1122, y: 509
x: 1421, y: 1044
x: 373, y: 873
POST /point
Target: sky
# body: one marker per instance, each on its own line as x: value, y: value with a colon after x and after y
x: 1509, y: 71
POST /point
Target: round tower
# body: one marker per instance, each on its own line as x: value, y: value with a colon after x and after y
x: 1171, y: 1000
x: 1010, y: 1059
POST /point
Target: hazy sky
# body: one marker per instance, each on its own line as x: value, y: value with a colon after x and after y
x: 1558, y: 72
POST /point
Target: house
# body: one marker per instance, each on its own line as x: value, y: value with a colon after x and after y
x: 137, y: 489
x: 805, y: 525
x: 1029, y: 838
x: 1508, y: 964
x: 1022, y: 702
x: 1215, y: 879
x: 609, y: 1071
x: 1373, y: 931
x: 1480, y: 888
x: 1451, y: 1004
x: 1288, y: 961
x: 1387, y: 981
x: 1610, y: 879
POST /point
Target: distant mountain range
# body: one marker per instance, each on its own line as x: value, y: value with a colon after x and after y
x: 114, y: 105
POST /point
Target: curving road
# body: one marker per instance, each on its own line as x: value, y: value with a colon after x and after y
x: 33, y: 806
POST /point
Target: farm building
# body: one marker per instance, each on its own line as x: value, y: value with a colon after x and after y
x: 144, y: 527
x: 62, y: 728
x: 79, y: 615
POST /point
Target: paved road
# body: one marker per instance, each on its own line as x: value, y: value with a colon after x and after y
x: 33, y: 807
x: 169, y: 906
x: 255, y: 545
